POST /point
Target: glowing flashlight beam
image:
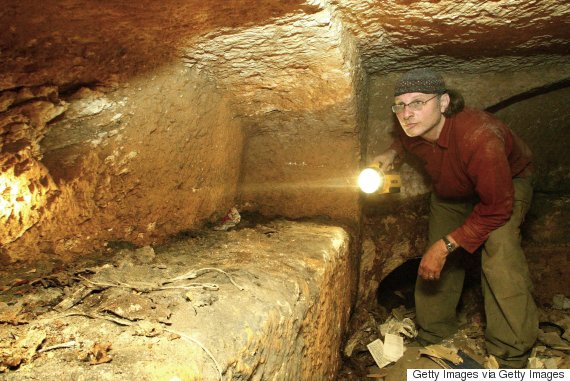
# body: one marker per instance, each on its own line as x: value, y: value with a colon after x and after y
x: 370, y: 180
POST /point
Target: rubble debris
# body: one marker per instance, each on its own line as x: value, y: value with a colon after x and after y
x: 69, y: 344
x: 77, y: 296
x: 491, y: 362
x: 195, y: 273
x: 33, y: 339
x: 160, y: 286
x: 378, y: 375
x: 98, y: 354
x: 402, y: 312
x: 354, y: 341
x: 59, y: 279
x: 21, y: 350
x: 112, y: 319
x: 149, y: 287
x: 551, y: 352
x: 145, y: 328
x: 560, y: 302
x: 11, y: 314
x: 565, y: 324
x: 540, y: 358
x: 133, y: 307
x: 230, y: 220
x: 146, y: 317
x: 19, y: 282
x: 405, y: 327
x: 438, y: 353
x: 553, y: 340
x: 148, y: 329
x: 125, y: 304
x: 366, y: 333
x: 552, y: 362
x: 200, y: 300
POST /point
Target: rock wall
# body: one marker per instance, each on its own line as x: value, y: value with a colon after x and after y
x: 301, y: 109
x: 26, y: 187
x: 174, y: 114
x: 136, y: 162
x: 543, y: 121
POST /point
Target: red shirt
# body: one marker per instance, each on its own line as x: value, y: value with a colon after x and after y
x: 475, y: 158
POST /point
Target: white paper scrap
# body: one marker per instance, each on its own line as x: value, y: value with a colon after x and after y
x: 376, y: 349
x: 393, y: 347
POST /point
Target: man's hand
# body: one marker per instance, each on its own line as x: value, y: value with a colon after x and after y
x: 386, y: 159
x: 433, y: 261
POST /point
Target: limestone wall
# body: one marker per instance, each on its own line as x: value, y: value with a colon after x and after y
x: 165, y: 117
x: 544, y: 122
x: 300, y: 93
x: 137, y: 162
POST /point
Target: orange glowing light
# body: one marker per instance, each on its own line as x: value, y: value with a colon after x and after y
x: 15, y: 195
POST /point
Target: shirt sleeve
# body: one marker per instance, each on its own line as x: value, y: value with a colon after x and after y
x: 489, y: 169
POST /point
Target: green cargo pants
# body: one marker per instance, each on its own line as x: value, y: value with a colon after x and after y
x: 511, y: 314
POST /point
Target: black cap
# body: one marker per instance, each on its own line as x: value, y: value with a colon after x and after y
x: 422, y: 80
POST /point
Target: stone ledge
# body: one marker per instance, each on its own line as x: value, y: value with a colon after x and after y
x: 287, y: 323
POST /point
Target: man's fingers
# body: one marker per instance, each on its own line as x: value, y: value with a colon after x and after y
x: 388, y: 166
x: 428, y: 274
x: 425, y: 274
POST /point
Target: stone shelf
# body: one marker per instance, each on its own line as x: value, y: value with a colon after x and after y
x: 286, y: 323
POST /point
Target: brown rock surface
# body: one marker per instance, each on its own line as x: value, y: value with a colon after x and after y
x: 286, y: 324
x: 127, y: 123
x: 258, y: 104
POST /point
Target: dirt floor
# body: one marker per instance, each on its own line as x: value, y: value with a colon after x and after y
x: 395, y: 302
x: 96, y: 316
x: 247, y: 303
x: 137, y: 313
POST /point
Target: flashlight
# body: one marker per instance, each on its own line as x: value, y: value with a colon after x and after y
x: 374, y: 180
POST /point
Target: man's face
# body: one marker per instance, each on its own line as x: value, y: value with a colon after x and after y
x: 422, y: 119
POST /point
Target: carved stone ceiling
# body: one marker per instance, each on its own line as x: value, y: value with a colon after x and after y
x: 477, y: 35
x: 83, y: 41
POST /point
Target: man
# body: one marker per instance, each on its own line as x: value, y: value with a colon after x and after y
x: 481, y: 174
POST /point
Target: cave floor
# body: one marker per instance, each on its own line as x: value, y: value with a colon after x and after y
x: 236, y: 302
x: 551, y: 351
x: 199, y: 306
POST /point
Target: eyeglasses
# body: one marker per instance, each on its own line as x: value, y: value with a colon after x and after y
x: 414, y: 106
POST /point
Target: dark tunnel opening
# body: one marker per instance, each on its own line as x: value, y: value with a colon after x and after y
x: 397, y: 289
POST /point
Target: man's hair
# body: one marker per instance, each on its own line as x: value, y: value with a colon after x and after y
x: 456, y: 103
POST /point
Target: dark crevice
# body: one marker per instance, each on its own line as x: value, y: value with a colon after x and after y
x: 67, y: 90
x: 551, y: 192
x: 564, y: 83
